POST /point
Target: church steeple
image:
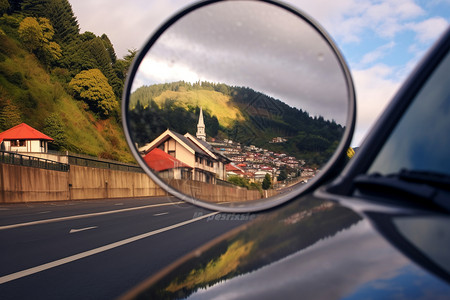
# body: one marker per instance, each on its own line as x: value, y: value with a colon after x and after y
x: 201, y: 134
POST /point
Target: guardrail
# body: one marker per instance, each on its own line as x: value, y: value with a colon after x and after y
x: 72, y: 159
x: 13, y: 158
x: 94, y: 162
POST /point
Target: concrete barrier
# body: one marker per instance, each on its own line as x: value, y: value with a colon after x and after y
x: 217, y: 193
x: 92, y: 183
x: 26, y: 184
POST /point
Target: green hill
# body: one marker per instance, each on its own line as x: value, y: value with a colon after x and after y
x: 236, y: 113
x: 46, y: 65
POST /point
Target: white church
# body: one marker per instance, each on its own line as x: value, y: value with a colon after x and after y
x: 186, y: 156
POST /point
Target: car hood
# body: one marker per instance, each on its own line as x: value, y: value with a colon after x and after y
x: 309, y: 248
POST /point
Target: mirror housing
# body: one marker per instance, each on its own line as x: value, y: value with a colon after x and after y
x: 311, y: 63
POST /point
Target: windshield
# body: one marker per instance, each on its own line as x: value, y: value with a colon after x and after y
x: 421, y: 140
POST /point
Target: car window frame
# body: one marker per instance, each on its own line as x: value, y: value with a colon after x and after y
x: 386, y: 123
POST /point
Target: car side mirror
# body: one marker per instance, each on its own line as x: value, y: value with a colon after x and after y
x: 239, y: 105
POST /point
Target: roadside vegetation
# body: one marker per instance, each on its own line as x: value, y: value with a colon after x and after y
x: 62, y: 82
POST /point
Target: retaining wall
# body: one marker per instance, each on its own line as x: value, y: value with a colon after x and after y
x: 27, y: 184
x: 218, y: 193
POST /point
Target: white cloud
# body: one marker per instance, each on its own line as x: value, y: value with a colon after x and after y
x: 374, y: 90
x: 348, y: 19
x: 377, y: 53
x: 429, y: 30
x: 128, y: 24
x: 153, y: 71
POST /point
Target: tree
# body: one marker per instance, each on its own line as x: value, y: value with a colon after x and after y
x: 239, y: 181
x: 122, y: 65
x: 37, y: 37
x: 4, y: 6
x: 58, y: 11
x: 109, y: 48
x: 283, y: 175
x: 53, y: 50
x: 54, y: 128
x: 103, y: 60
x: 77, y: 58
x: 9, y: 113
x: 47, y: 30
x: 31, y: 33
x: 64, y: 21
x: 93, y: 87
x: 266, y: 182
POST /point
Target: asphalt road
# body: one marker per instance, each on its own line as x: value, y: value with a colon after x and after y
x: 96, y: 249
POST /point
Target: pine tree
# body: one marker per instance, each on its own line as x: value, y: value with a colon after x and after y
x: 54, y: 128
x: 266, y: 182
x: 103, y: 58
x: 4, y: 6
x: 9, y: 113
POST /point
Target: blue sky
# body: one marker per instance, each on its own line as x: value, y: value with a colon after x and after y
x: 382, y: 41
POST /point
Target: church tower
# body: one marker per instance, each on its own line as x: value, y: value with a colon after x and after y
x: 201, y: 134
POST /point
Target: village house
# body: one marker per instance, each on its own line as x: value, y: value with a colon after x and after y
x: 192, y: 153
x: 24, y: 139
x: 166, y: 165
x: 233, y: 170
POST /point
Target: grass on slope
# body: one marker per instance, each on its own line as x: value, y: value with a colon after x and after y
x: 217, y: 104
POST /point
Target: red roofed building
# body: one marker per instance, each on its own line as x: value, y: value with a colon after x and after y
x: 24, y: 138
x: 166, y: 165
x: 234, y: 170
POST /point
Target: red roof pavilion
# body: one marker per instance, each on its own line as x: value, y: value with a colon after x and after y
x: 23, y: 132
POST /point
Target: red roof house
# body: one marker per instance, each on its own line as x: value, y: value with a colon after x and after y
x: 24, y: 138
x: 164, y: 163
x: 232, y: 170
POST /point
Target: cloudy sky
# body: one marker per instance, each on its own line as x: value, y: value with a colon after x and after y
x: 382, y: 41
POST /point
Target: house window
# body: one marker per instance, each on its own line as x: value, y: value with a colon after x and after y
x: 18, y: 143
x: 186, y: 174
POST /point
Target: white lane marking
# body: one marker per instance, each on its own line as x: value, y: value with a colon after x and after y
x: 43, y: 212
x: 81, y: 255
x: 118, y: 204
x: 161, y: 214
x: 85, y: 215
x: 81, y: 229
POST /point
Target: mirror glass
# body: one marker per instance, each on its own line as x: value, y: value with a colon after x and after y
x: 237, y: 101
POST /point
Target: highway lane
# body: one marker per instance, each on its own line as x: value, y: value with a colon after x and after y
x: 25, y: 212
x: 98, y: 256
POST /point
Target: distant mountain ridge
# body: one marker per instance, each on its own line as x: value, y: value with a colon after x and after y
x: 237, y: 113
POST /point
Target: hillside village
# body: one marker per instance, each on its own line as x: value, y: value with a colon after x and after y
x: 254, y: 162
x: 177, y: 156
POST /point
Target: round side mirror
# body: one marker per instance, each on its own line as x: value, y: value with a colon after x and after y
x: 238, y: 105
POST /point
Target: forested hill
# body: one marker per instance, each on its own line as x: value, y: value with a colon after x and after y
x: 47, y: 71
x: 237, y: 113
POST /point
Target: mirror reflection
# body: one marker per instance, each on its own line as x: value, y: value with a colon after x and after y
x: 238, y: 101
